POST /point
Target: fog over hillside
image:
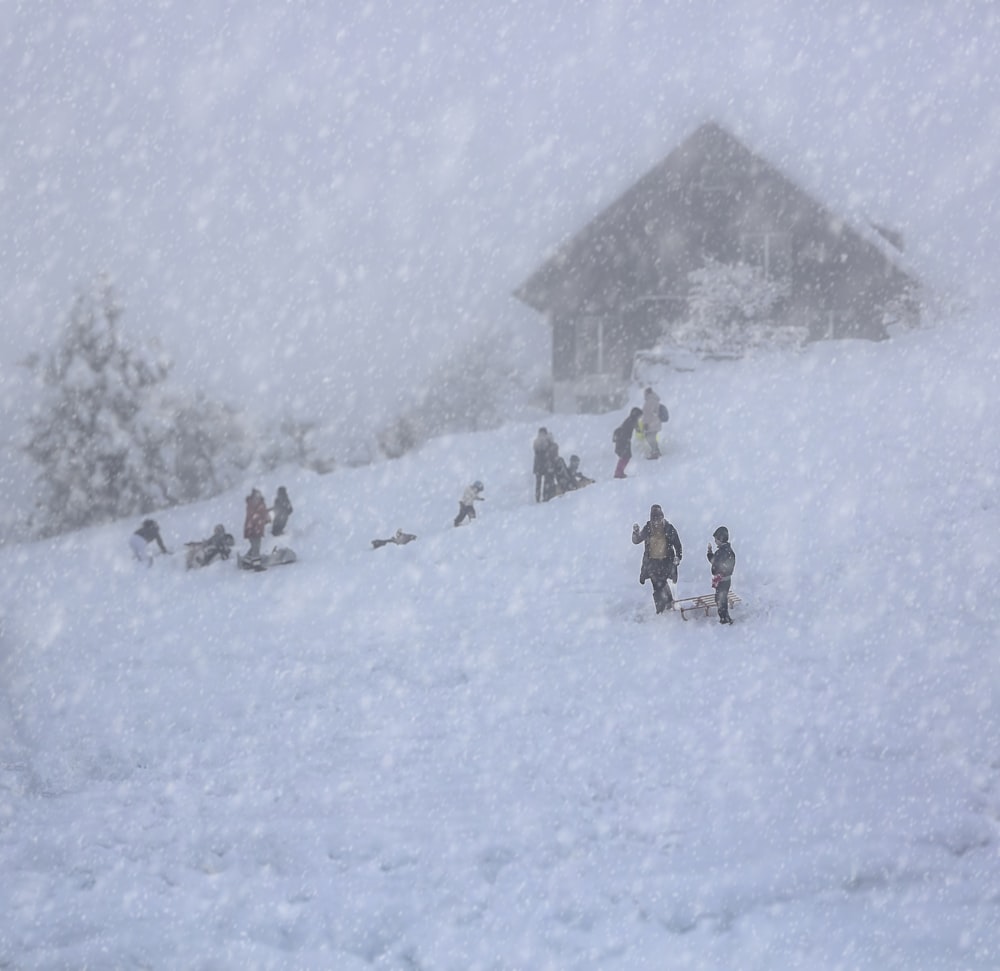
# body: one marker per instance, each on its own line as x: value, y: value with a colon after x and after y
x: 308, y: 203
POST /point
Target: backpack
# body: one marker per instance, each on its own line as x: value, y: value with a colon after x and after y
x: 620, y: 435
x: 664, y: 414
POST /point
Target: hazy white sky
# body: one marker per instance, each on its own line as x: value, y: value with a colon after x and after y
x: 315, y: 197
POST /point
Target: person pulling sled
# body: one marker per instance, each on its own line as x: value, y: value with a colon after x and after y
x: 660, y: 557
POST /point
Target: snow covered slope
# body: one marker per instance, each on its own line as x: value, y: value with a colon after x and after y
x: 484, y: 750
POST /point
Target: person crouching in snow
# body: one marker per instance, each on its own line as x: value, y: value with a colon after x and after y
x: 466, y: 509
x: 257, y: 519
x: 660, y: 558
x: 723, y: 562
x: 139, y: 541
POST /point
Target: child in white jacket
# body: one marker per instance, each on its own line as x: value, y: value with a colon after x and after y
x: 465, y: 504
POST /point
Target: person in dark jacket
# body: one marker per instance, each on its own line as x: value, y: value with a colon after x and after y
x: 282, y: 509
x: 139, y: 541
x: 218, y: 546
x: 723, y: 561
x: 622, y: 438
x: 545, y: 449
x: 256, y: 521
x: 660, y: 557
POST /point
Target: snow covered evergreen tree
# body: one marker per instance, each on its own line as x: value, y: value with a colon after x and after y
x: 99, y: 455
x: 205, y: 445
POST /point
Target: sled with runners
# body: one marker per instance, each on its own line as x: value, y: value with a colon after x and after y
x: 704, y: 604
x: 279, y: 556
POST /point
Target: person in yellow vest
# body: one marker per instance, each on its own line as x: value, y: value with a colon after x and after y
x: 660, y: 557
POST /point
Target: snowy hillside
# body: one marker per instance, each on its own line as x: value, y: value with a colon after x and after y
x: 484, y: 750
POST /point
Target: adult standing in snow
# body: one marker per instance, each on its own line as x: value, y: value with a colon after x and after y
x: 282, y: 509
x: 723, y: 561
x: 622, y: 437
x: 465, y: 505
x: 256, y: 521
x: 660, y: 557
x: 651, y: 421
x: 139, y: 541
x: 543, y: 447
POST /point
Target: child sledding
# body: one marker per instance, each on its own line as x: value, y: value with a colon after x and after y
x: 399, y: 538
x: 218, y: 546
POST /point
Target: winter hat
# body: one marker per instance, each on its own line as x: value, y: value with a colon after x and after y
x: 721, y: 535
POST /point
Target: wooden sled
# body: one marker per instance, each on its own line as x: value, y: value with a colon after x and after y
x: 705, y: 603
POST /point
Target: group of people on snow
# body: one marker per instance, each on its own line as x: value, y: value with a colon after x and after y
x: 220, y: 544
x: 553, y: 476
x: 662, y: 549
x: 642, y: 424
x: 662, y: 554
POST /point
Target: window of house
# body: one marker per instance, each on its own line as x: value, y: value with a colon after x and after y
x: 592, y: 352
x: 770, y: 252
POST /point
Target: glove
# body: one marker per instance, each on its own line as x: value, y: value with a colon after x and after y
x: 709, y: 549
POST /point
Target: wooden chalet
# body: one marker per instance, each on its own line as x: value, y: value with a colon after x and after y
x: 615, y: 287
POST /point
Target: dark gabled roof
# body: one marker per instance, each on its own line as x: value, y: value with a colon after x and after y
x: 619, y: 228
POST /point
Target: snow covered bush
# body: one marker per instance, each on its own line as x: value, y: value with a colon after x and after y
x: 733, y: 308
x: 292, y: 440
x: 98, y: 453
